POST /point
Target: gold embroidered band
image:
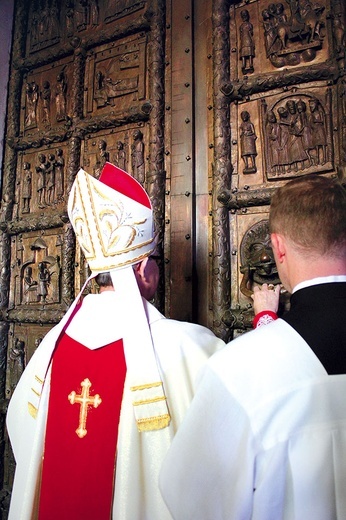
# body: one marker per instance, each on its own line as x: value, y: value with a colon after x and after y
x: 150, y: 407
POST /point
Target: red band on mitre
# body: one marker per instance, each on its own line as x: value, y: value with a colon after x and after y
x: 124, y: 183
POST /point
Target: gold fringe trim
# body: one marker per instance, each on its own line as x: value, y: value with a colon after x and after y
x: 39, y: 380
x: 153, y: 423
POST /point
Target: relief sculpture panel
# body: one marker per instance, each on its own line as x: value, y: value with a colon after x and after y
x: 54, y: 23
x: 116, y: 76
x: 126, y: 147
x: 86, y: 87
x: 247, y: 141
x: 281, y: 135
x: 252, y: 264
x: 257, y: 263
x: 286, y: 95
x: 293, y: 31
x: 117, y: 9
x: 46, y: 99
x: 41, y: 181
x: 44, y: 26
x: 297, y: 135
x: 268, y: 35
x: 35, y: 270
x: 23, y: 341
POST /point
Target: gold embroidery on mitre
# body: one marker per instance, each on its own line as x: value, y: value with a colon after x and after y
x: 80, y: 223
x: 103, y: 228
x: 116, y: 228
x: 85, y: 400
x: 86, y: 245
x: 129, y: 261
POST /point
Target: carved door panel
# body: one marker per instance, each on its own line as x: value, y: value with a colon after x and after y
x: 86, y: 86
x: 286, y: 94
x: 211, y: 104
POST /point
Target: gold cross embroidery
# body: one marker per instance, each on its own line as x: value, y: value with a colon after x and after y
x: 84, y: 400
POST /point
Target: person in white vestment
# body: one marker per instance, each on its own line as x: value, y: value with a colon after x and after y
x: 61, y: 450
x: 265, y: 435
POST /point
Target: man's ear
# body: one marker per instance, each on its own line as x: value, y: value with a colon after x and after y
x: 140, y: 268
x: 278, y: 246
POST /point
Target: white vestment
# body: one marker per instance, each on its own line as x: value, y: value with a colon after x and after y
x: 264, y: 438
x: 180, y: 349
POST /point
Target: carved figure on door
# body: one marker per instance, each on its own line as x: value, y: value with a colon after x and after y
x: 248, y: 143
x: 281, y: 24
x: 69, y: 16
x: 270, y: 34
x: 81, y: 14
x: 43, y: 282
x: 297, y: 153
x: 31, y: 104
x: 339, y: 35
x: 59, y: 175
x: 94, y: 13
x: 307, y: 14
x: 257, y: 258
x: 46, y: 96
x: 138, y: 166
x: 27, y: 187
x: 302, y: 138
x: 304, y: 129
x: 41, y: 170
x: 283, y: 152
x: 120, y: 156
x: 50, y: 179
x: 104, y: 154
x: 247, y: 44
x: 291, y: 37
x: 103, y: 157
x: 318, y: 129
x: 30, y: 287
x: 17, y: 360
x: 60, y: 96
x: 273, y: 138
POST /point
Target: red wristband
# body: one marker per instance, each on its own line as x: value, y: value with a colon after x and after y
x: 263, y: 318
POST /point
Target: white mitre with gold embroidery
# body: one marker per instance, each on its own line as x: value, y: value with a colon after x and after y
x: 113, y: 221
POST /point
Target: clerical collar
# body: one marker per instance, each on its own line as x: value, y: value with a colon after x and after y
x: 319, y: 280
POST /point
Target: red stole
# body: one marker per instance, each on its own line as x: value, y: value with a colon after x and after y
x: 85, y: 396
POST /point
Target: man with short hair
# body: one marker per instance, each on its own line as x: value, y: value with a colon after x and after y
x: 265, y: 436
x: 96, y: 409
x: 147, y: 277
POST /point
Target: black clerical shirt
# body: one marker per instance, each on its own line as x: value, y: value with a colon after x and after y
x: 318, y: 314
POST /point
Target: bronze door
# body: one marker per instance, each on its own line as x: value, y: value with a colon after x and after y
x: 210, y: 104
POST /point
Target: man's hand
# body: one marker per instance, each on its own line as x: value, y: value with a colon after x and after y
x: 266, y: 298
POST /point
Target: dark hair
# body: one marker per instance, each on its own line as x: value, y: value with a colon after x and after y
x: 311, y: 211
x: 104, y: 280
